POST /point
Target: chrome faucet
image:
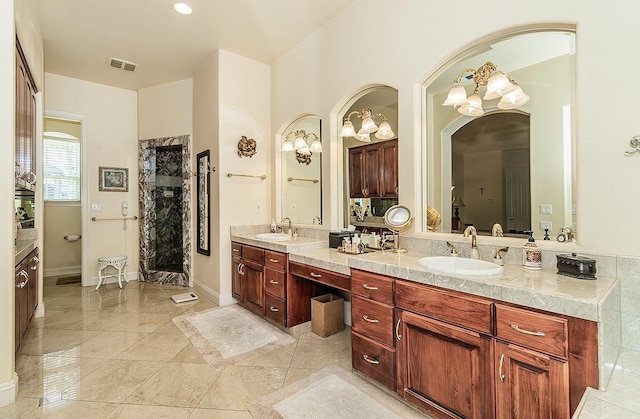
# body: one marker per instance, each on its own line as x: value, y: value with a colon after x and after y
x: 471, y: 230
x: 289, y: 231
x: 452, y: 249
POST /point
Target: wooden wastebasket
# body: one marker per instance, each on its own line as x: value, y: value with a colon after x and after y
x: 327, y: 314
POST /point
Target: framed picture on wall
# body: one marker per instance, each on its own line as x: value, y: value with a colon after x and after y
x: 113, y: 179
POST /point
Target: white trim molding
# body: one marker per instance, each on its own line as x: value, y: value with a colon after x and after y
x: 9, y: 391
x: 220, y: 299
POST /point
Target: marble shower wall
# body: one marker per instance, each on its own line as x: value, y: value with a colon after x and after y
x: 165, y: 218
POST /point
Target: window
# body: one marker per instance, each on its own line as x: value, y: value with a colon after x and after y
x: 61, y: 159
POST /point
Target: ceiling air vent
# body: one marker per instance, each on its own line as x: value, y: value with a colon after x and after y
x: 121, y: 64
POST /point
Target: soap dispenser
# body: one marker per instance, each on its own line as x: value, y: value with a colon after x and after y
x: 273, y: 225
x: 531, y: 254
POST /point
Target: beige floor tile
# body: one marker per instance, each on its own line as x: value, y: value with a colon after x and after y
x: 155, y: 347
x: 181, y: 385
x: 278, y: 357
x: 98, y: 321
x: 53, y: 340
x: 114, y: 381
x: 141, y: 322
x: 128, y: 411
x: 189, y: 355
x: 295, y: 374
x: 106, y: 345
x: 317, y: 354
x: 58, y: 319
x: 219, y: 414
x: 238, y: 385
x: 25, y: 363
x: 67, y: 409
x: 20, y: 408
x: 168, y: 328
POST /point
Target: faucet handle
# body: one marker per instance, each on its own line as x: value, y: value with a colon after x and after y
x: 453, y: 250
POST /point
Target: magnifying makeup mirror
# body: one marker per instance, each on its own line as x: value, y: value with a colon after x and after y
x: 398, y: 219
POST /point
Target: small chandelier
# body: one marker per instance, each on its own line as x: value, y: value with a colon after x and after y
x: 498, y: 85
x: 300, y: 144
x: 383, y: 132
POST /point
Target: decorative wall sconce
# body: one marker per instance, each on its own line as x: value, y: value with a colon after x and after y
x: 635, y: 146
x: 498, y: 85
x: 384, y: 132
x: 246, y: 147
x: 300, y: 143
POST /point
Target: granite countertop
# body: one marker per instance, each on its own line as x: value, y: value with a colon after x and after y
x: 544, y: 290
x: 23, y: 248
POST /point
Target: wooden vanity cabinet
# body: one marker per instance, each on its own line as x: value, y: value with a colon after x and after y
x: 444, y: 350
x: 275, y: 278
x: 248, y: 277
x: 25, y: 123
x: 26, y: 295
x: 372, y: 338
x: 373, y: 170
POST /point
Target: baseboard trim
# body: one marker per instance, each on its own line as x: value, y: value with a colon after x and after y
x: 220, y: 299
x: 9, y: 391
x: 65, y: 270
x: 39, y: 310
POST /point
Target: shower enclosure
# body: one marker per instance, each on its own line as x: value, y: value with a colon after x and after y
x: 165, y: 196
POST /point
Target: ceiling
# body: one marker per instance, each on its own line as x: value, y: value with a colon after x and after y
x: 80, y: 35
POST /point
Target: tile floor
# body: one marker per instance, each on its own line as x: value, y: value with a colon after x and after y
x: 117, y: 354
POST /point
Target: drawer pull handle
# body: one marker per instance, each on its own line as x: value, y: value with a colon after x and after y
x: 370, y: 360
x: 275, y: 309
x: 369, y: 287
x: 315, y: 275
x: 235, y: 250
x: 398, y: 335
x: 273, y: 260
x: 500, y: 370
x: 271, y: 281
x: 526, y: 332
x: 367, y: 319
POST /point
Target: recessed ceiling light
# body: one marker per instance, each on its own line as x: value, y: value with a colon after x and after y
x: 182, y: 8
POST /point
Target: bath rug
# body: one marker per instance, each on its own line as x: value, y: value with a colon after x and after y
x: 331, y: 393
x: 226, y: 335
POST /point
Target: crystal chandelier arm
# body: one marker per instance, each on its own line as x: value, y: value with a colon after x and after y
x: 463, y: 72
x: 348, y: 118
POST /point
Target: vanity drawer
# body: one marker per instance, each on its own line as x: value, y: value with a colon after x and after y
x: 372, y: 319
x: 275, y: 260
x: 542, y: 332
x: 373, y: 360
x: 275, y: 309
x: 322, y: 276
x: 255, y: 254
x: 369, y: 285
x: 274, y: 282
x: 236, y: 250
x: 450, y: 306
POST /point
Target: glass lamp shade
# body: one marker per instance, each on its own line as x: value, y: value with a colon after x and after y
x: 300, y: 142
x: 287, y: 145
x: 368, y: 125
x: 384, y: 131
x: 495, y: 85
x: 363, y: 136
x: 473, y: 107
x: 316, y: 146
x: 514, y: 99
x: 348, y: 130
x: 457, y: 96
x: 305, y: 151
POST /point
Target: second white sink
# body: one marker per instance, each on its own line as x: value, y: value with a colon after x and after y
x: 273, y: 236
x: 460, y: 266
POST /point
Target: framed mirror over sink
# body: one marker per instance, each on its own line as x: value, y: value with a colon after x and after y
x: 493, y: 160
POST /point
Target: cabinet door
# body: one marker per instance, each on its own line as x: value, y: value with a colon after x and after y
x: 236, y: 279
x: 444, y: 369
x: 372, y: 171
x: 530, y: 384
x: 32, y: 286
x: 253, y: 279
x: 389, y: 165
x: 356, y: 172
x: 21, y: 302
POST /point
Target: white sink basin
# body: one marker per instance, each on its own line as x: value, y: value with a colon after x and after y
x: 273, y: 236
x: 460, y: 266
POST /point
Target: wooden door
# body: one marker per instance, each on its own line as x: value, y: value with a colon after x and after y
x: 389, y: 165
x: 253, y: 279
x: 517, y: 199
x: 530, y: 384
x: 356, y: 172
x: 444, y: 369
x: 372, y: 171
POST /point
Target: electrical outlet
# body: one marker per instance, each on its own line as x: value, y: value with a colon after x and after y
x: 96, y: 207
x: 258, y: 207
x: 546, y: 225
x: 546, y: 209
x: 293, y: 207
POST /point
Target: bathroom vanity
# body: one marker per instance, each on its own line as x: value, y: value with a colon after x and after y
x: 461, y: 345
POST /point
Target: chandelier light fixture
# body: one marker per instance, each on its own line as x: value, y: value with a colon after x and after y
x: 300, y: 142
x: 498, y: 85
x: 383, y: 132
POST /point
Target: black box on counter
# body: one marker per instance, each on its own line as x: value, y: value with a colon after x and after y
x: 576, y: 266
x: 335, y: 238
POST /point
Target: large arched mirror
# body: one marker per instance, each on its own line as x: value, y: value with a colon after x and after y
x: 370, y: 159
x: 515, y: 163
x: 302, y: 171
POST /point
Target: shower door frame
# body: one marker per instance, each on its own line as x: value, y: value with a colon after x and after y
x: 147, y: 220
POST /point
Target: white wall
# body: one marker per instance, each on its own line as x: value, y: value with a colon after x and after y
x: 416, y: 40
x: 165, y: 110
x: 110, y: 141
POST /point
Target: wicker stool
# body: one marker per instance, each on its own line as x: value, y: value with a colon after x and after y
x: 118, y: 262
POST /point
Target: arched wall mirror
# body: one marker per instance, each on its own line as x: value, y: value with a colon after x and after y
x: 512, y: 165
x: 371, y: 161
x: 302, y: 171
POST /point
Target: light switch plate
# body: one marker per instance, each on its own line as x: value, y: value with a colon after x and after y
x: 546, y: 209
x: 546, y: 224
x: 96, y: 207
